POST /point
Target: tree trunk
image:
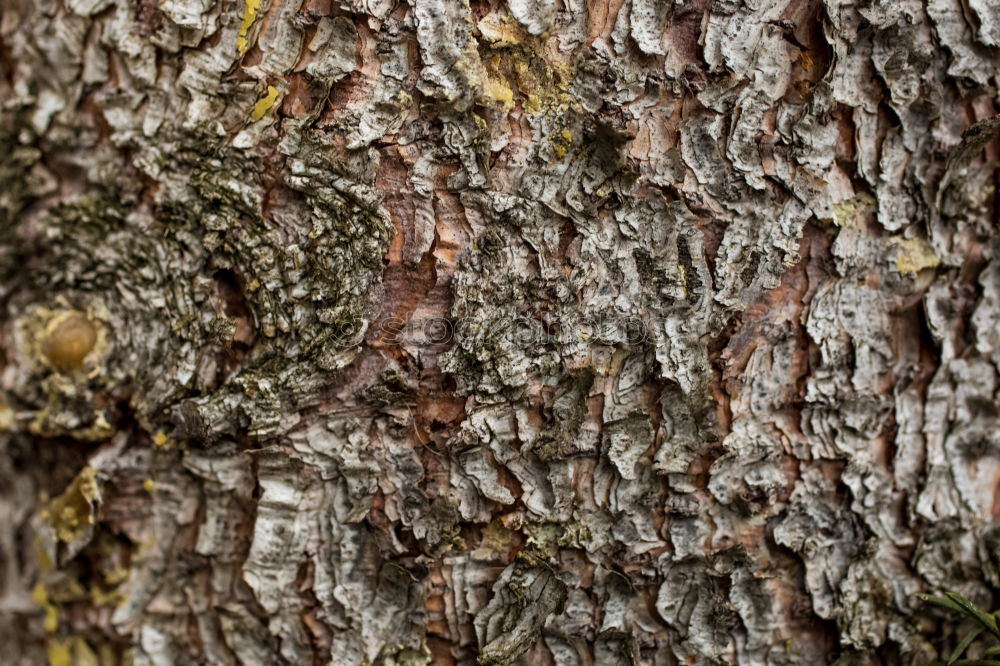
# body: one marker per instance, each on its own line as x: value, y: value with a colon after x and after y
x: 453, y: 332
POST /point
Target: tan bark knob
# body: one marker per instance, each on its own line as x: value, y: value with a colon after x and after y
x: 68, y: 340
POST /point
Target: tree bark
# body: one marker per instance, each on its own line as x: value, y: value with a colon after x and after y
x: 461, y: 331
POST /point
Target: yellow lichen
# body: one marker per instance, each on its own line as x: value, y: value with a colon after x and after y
x: 847, y: 211
x: 6, y: 417
x: 58, y: 653
x: 101, y: 597
x: 914, y: 255
x: 73, y: 651
x: 44, y: 561
x: 43, y: 426
x: 543, y: 84
x: 116, y: 576
x: 161, y: 441
x: 71, y: 513
x: 99, y: 430
x: 501, y: 30
x: 496, y: 89
x: 249, y: 14
x: 148, y: 485
x: 264, y: 104
x: 561, y: 143
x: 609, y: 364
x: 40, y: 597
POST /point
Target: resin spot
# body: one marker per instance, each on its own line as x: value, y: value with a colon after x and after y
x: 68, y: 340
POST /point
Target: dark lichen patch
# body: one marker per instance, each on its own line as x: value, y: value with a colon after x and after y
x: 307, y: 267
x: 392, y: 388
x: 22, y: 176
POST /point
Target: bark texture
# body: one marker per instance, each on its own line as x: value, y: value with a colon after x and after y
x: 461, y: 331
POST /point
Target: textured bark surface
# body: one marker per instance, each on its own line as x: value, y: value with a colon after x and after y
x: 580, y: 332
